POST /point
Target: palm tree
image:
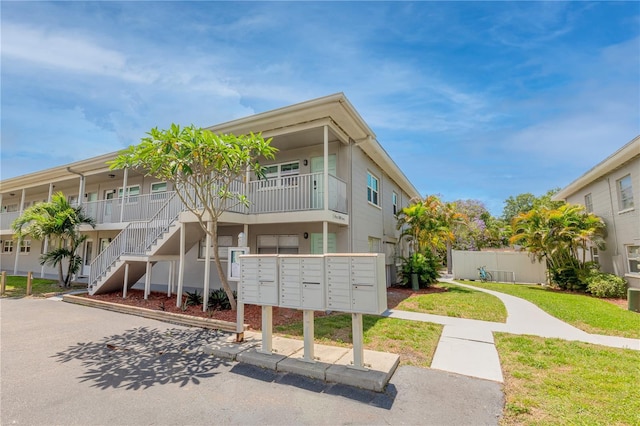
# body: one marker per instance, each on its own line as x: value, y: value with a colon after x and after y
x: 58, y: 221
x: 557, y: 236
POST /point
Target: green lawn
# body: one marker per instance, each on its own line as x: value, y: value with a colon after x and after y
x: 17, y: 286
x: 459, y: 302
x: 414, y: 341
x: 587, y: 313
x: 557, y: 382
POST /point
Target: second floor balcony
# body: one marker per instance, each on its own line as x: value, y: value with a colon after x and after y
x: 280, y: 195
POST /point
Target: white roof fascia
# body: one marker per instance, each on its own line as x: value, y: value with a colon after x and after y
x: 614, y: 161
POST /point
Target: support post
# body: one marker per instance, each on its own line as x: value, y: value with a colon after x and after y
x: 358, y: 342
x: 45, y: 249
x: 19, y: 244
x: 124, y: 193
x: 3, y: 282
x: 207, y: 267
x: 170, y: 282
x: 325, y: 176
x: 147, y: 281
x: 239, y: 321
x: 183, y: 243
x: 29, y: 283
x: 267, y: 330
x: 125, y: 285
x: 308, y: 331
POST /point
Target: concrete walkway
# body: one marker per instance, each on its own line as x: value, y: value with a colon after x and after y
x: 467, y: 346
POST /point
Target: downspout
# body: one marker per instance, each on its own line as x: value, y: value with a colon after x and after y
x: 81, y: 188
x: 615, y: 233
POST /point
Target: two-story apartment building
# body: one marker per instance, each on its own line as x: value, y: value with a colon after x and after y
x: 611, y: 190
x: 331, y: 188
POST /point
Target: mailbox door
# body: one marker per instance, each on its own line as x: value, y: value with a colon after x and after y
x: 312, y: 280
x: 338, y: 284
x: 290, y: 293
x: 268, y: 281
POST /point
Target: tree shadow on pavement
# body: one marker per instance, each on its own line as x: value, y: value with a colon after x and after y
x: 143, y: 357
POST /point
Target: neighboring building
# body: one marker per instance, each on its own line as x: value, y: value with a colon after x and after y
x: 303, y: 207
x: 611, y: 190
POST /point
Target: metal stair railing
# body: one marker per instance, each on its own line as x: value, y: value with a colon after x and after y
x: 136, y: 238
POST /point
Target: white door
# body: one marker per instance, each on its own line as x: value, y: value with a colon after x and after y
x: 87, y: 257
x: 317, y: 189
x: 109, y: 200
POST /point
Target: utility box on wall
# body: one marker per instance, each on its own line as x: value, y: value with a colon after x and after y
x: 259, y: 279
x: 302, y: 283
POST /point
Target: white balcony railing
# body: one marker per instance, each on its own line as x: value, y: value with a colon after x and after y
x: 6, y: 219
x: 286, y: 194
x: 296, y: 193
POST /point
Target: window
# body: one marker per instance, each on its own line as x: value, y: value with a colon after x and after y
x: 625, y: 193
x: 7, y: 246
x: 374, y: 245
x: 588, y: 203
x: 633, y: 259
x: 11, y: 208
x: 132, y: 193
x: 158, y: 191
x: 372, y: 189
x: 73, y: 200
x: 281, y: 175
x: 25, y: 246
x: 595, y: 255
x: 278, y: 244
x: 394, y: 202
x: 224, y: 241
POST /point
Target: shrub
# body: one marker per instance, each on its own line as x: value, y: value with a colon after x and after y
x: 424, y: 265
x: 606, y: 285
x: 218, y: 300
x: 193, y: 299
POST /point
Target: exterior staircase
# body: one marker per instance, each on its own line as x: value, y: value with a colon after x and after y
x: 135, y: 245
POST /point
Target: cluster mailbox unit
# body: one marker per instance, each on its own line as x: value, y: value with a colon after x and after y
x: 349, y: 282
x: 354, y: 283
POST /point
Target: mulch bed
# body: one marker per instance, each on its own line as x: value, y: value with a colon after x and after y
x: 252, y: 313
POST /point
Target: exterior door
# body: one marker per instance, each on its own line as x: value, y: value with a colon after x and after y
x: 317, y: 182
x: 87, y: 257
x: 109, y: 200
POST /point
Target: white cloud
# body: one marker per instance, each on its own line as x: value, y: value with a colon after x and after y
x: 66, y: 51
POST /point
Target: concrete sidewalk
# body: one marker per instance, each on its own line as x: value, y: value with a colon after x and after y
x: 467, y: 346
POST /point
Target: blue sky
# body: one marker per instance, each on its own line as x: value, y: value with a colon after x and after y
x: 473, y: 100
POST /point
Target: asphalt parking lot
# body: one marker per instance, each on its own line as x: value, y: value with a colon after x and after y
x: 66, y: 364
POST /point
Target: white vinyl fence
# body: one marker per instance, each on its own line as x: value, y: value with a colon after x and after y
x: 504, y: 266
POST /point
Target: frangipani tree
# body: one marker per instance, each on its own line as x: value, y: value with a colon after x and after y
x: 59, y: 221
x: 203, y: 167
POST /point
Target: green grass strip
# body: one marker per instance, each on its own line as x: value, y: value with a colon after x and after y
x: 414, y: 341
x: 459, y: 302
x: 587, y: 313
x: 16, y: 286
x: 557, y: 382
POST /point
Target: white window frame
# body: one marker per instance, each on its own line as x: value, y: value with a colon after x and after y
x: 588, y: 202
x: 224, y: 242
x: 373, y: 194
x: 633, y: 255
x: 159, y: 194
x: 625, y: 193
x: 7, y: 246
x: 394, y: 202
x: 595, y: 254
x: 25, y: 246
x: 375, y: 245
x: 278, y: 244
x: 280, y: 178
x: 131, y: 198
